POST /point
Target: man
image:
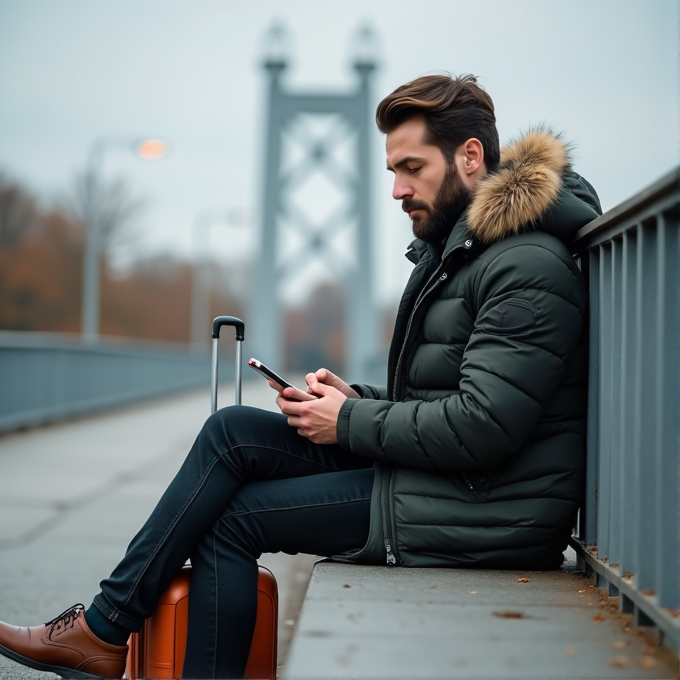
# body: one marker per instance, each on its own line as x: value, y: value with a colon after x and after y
x: 472, y: 456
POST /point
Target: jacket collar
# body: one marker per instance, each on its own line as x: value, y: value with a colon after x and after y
x: 525, y: 185
x: 460, y: 237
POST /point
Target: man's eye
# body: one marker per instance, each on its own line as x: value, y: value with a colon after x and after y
x: 413, y: 170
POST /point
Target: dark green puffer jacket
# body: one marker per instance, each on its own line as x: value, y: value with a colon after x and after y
x: 479, y: 438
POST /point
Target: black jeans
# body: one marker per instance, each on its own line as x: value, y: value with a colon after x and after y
x: 249, y: 485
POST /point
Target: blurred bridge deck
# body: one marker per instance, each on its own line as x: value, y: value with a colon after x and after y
x: 73, y: 494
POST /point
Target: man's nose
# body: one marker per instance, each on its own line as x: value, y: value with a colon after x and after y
x: 401, y: 189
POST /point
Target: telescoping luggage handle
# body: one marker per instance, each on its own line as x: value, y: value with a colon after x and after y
x: 240, y: 336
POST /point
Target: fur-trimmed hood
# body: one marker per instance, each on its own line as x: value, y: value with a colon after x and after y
x: 533, y: 188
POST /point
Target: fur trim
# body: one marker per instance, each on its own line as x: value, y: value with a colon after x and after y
x: 525, y: 185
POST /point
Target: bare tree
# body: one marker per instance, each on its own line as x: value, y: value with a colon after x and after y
x: 18, y: 212
x: 110, y: 204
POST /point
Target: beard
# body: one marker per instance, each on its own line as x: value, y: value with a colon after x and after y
x: 449, y: 204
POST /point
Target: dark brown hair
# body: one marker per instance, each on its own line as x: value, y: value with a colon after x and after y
x: 455, y: 109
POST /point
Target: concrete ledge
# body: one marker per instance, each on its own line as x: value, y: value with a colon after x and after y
x: 381, y: 622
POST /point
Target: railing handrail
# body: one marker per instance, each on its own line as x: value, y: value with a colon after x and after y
x: 613, y: 222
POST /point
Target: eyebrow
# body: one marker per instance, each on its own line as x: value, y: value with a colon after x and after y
x: 405, y: 161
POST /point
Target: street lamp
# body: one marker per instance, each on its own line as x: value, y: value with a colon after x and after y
x: 144, y: 148
x: 200, y: 282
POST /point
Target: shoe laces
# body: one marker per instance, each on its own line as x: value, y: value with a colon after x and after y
x: 64, y: 619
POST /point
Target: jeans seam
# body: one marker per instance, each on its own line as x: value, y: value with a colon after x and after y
x: 277, y: 450
x: 215, y: 609
x: 163, y: 540
x: 292, y: 507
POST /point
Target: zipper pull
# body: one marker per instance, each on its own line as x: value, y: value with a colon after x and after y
x: 468, y: 482
x: 391, y: 559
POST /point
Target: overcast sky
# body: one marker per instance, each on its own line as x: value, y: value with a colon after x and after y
x: 603, y: 72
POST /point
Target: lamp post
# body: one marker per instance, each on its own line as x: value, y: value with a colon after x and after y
x: 144, y: 148
x: 200, y: 282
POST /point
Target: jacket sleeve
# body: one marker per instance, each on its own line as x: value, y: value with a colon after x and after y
x: 530, y: 303
x: 370, y: 391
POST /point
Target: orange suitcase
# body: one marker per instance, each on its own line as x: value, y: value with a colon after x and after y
x: 157, y: 651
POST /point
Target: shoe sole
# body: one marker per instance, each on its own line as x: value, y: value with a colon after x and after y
x: 71, y: 673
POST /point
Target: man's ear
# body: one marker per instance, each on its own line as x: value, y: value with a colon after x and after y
x: 469, y: 160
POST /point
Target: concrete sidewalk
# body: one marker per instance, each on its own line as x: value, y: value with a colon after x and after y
x: 72, y: 496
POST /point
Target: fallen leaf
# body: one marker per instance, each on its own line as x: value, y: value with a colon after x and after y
x: 473, y: 592
x: 433, y: 587
x: 649, y: 592
x: 347, y: 585
x: 598, y: 617
x: 619, y: 644
x: 581, y: 591
x: 620, y: 662
x: 570, y: 651
x: 648, y: 662
x: 523, y: 579
x: 509, y: 615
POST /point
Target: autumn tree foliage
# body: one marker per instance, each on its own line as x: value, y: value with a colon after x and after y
x: 41, y: 266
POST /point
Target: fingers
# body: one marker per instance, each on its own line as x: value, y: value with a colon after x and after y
x: 274, y: 386
x: 324, y: 375
x: 297, y: 395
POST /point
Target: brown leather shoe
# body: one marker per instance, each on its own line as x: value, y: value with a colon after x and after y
x: 65, y: 646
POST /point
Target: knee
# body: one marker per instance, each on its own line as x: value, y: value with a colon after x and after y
x: 224, y: 420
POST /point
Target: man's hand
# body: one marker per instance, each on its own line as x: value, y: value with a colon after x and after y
x: 315, y: 419
x: 323, y: 375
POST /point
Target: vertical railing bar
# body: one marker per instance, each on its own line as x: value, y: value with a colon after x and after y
x: 593, y: 433
x: 628, y: 498
x: 615, y: 464
x: 668, y: 377
x: 645, y: 410
x: 604, y: 472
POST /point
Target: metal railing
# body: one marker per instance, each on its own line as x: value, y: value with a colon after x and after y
x: 628, y: 527
x: 48, y: 377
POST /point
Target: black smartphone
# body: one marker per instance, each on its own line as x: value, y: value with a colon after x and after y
x: 267, y: 373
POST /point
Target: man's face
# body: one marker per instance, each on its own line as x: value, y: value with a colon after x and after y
x: 430, y: 188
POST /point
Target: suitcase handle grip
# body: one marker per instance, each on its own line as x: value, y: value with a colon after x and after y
x: 229, y: 321
x: 240, y: 335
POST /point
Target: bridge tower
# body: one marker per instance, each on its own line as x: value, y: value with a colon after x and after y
x: 311, y: 135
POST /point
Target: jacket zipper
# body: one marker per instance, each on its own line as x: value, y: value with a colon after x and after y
x: 387, y: 519
x: 391, y: 558
x: 467, y: 481
x: 471, y: 488
x: 426, y: 291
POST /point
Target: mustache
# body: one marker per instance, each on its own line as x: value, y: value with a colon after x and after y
x: 409, y: 204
